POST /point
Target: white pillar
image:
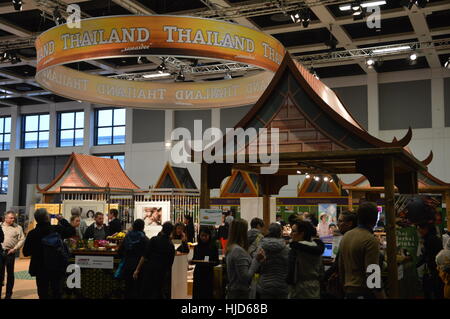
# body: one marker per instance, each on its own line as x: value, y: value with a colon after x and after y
x: 53, y: 126
x: 437, y: 101
x: 215, y: 117
x: 169, y: 123
x: 88, y: 132
x: 373, y: 104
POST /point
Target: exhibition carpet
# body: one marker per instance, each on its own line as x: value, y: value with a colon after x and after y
x: 24, y: 284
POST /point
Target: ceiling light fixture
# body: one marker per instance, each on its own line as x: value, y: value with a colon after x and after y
x: 392, y: 49
x: 180, y: 77
x: 155, y: 75
x: 447, y: 64
x: 298, y: 172
x: 142, y: 60
x: 316, y: 178
x: 366, y: 4
x: 326, y: 179
x: 227, y: 76
x: 162, y: 68
x: 307, y: 175
x: 57, y: 17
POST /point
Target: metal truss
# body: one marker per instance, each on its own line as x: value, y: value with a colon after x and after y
x: 193, y: 71
x: 371, y: 52
x: 260, y: 8
x: 48, y: 6
x: 19, y: 43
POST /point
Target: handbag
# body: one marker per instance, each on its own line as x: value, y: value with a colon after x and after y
x: 118, y: 273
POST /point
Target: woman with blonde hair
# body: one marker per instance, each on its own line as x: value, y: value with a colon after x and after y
x: 240, y: 266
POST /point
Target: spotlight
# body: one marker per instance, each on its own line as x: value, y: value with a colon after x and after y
x: 161, y: 68
x: 57, y: 17
x: 316, y: 178
x: 227, y: 76
x: 313, y: 72
x: 15, y: 59
x: 370, y: 63
x: 303, y: 17
x: 17, y: 5
x: 180, y: 77
x: 307, y: 175
x: 298, y: 172
x: 447, y: 64
x: 142, y: 60
x: 422, y: 3
x: 326, y: 179
x: 413, y: 58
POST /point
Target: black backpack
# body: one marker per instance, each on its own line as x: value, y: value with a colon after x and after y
x: 56, y: 253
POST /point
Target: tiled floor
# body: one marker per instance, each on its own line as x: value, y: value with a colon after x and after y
x: 25, y: 286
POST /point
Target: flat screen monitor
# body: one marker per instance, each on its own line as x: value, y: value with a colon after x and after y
x: 328, y: 250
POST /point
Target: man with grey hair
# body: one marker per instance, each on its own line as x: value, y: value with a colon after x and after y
x: 14, y: 239
x: 45, y: 279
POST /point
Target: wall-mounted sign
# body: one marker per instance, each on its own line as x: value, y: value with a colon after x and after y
x: 210, y: 217
x: 125, y: 36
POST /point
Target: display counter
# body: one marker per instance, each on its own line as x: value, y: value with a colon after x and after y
x: 179, y: 287
x: 97, y: 275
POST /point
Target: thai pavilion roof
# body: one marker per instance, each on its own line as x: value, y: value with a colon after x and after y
x: 90, y: 171
x: 309, y: 115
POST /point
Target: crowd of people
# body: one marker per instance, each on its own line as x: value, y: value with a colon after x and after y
x: 260, y: 262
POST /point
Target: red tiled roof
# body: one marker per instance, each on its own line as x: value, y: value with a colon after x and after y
x: 96, y: 171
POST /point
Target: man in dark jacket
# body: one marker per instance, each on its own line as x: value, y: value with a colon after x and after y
x: 98, y: 230
x: 157, y: 263
x: 114, y: 226
x: 190, y: 228
x: 34, y: 247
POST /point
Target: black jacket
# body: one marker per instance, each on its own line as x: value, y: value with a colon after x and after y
x: 89, y: 233
x: 184, y: 247
x: 115, y: 226
x: 2, y: 237
x: 204, y: 272
x: 33, y: 243
x: 131, y: 250
x: 299, y: 248
x: 190, y: 232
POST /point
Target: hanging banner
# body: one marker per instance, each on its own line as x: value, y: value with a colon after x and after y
x: 125, y: 36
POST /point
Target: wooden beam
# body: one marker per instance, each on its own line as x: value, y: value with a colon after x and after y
x: 204, y: 187
x: 391, y: 249
x: 350, y: 200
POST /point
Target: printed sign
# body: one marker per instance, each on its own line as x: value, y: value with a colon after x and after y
x: 99, y: 262
x: 210, y: 217
x: 133, y: 36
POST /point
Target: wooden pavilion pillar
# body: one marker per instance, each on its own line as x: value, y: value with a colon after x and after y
x: 350, y: 200
x: 447, y: 207
x: 264, y: 191
x: 391, y: 250
x: 204, y: 187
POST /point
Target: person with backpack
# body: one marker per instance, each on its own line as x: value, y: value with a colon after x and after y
x: 131, y: 250
x: 49, y: 255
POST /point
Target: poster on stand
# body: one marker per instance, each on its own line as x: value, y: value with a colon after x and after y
x: 210, y: 217
x: 154, y: 215
x: 52, y: 209
x: 327, y: 216
x: 87, y: 209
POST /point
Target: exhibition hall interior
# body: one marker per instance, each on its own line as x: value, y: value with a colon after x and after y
x: 224, y: 149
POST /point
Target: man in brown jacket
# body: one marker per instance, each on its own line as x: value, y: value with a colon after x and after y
x: 358, y: 249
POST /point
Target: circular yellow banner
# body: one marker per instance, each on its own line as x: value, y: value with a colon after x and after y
x: 119, y: 36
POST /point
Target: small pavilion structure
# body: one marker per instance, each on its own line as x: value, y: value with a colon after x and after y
x: 317, y: 135
x: 240, y: 184
x: 175, y: 178
x: 88, y: 174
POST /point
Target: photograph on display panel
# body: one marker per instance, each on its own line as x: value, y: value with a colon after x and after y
x: 327, y: 217
x: 154, y: 215
x: 87, y: 209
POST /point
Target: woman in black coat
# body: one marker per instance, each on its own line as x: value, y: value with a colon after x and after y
x: 204, y: 271
x: 131, y: 250
x: 179, y: 233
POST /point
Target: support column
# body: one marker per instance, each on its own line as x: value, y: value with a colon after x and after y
x: 391, y: 240
x: 373, y: 117
x: 204, y: 188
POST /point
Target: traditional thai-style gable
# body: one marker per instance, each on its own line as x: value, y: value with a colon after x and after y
x: 240, y: 184
x: 90, y: 171
x: 309, y: 115
x: 175, y: 177
x: 325, y: 186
